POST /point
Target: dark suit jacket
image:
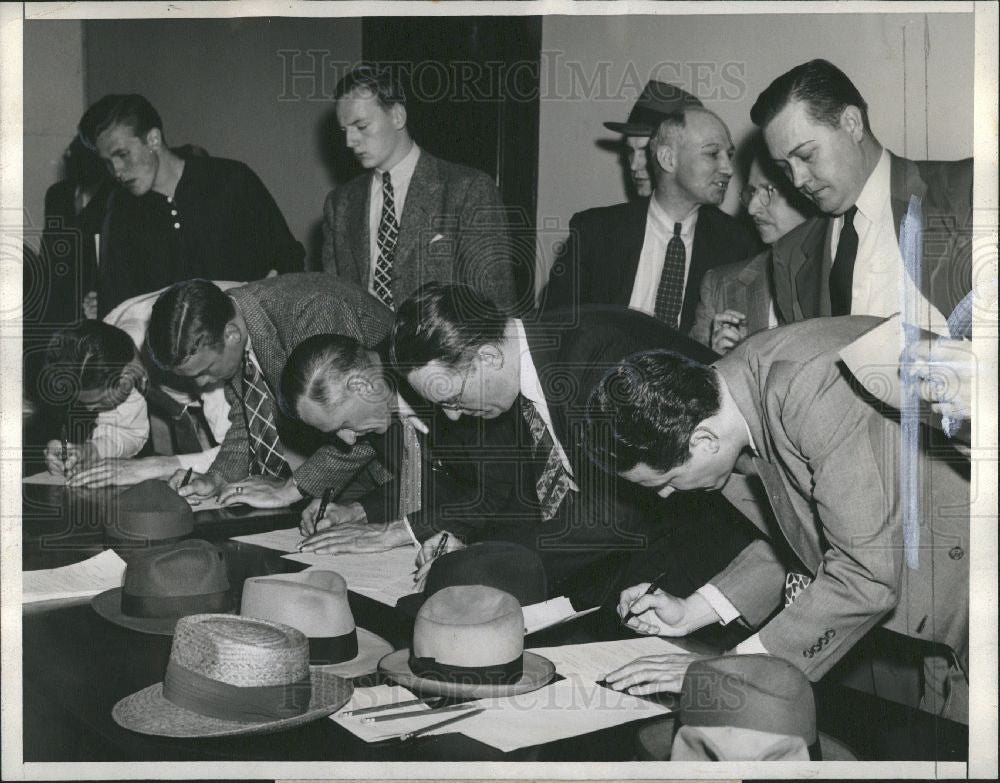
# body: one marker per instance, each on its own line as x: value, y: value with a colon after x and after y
x: 600, y: 258
x: 280, y: 312
x: 452, y: 229
x: 744, y: 287
x: 832, y: 465
x: 802, y: 258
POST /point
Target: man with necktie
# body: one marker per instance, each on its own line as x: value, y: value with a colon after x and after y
x: 412, y: 217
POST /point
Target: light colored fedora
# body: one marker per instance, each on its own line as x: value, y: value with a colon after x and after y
x: 165, y: 583
x: 233, y: 675
x: 315, y: 602
x: 468, y: 641
x: 148, y: 514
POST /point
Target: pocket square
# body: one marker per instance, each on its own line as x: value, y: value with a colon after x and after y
x: 435, y: 238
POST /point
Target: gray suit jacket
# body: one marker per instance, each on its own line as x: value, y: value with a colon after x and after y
x: 830, y: 460
x: 281, y: 312
x: 802, y: 258
x: 453, y: 229
x: 744, y: 287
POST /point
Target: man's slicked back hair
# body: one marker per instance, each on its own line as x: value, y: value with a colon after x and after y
x: 133, y: 111
x: 317, y: 367
x: 187, y: 317
x: 820, y: 85
x: 91, y: 355
x: 379, y: 80
x: 646, y: 409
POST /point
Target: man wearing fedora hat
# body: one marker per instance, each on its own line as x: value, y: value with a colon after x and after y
x: 650, y: 254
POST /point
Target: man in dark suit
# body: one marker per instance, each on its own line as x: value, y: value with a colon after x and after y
x: 538, y: 375
x: 241, y: 339
x: 861, y: 256
x: 651, y: 255
x: 413, y: 217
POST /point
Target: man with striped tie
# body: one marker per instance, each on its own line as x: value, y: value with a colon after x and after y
x: 240, y: 340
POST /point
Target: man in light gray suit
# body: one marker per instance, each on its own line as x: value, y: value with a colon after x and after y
x: 411, y: 218
x: 855, y: 548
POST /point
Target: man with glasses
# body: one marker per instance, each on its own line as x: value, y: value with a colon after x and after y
x: 737, y: 300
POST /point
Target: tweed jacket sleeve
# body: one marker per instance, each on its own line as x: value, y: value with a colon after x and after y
x: 709, y: 303
x: 329, y: 256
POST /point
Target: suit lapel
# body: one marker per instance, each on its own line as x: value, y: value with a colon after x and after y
x: 355, y: 225
x: 753, y: 281
x: 795, y: 529
x: 799, y: 267
x: 631, y: 239
x: 410, y: 265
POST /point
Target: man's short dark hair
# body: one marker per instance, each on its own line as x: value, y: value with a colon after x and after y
x: 444, y: 323
x: 88, y: 357
x: 647, y: 408
x: 821, y: 85
x: 187, y: 317
x: 132, y: 111
x: 379, y: 80
x: 316, y: 367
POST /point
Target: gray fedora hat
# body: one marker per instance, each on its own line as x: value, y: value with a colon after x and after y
x: 656, y: 101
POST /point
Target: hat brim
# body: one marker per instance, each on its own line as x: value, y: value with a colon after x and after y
x: 410, y: 604
x: 630, y: 128
x: 538, y: 671
x: 371, y: 649
x: 148, y: 712
x: 109, y: 606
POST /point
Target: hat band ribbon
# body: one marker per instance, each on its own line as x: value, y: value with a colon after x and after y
x: 162, y: 606
x: 215, y: 699
x: 494, y: 674
x: 333, y: 649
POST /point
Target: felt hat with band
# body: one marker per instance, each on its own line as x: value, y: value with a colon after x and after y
x: 656, y: 101
x: 148, y: 514
x: 233, y: 675
x: 315, y: 602
x: 507, y: 566
x: 468, y: 641
x: 165, y: 583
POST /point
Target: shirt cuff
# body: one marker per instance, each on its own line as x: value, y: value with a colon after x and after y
x: 722, y: 606
x: 416, y: 542
x: 751, y: 646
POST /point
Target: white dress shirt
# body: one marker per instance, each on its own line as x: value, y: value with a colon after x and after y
x: 400, y: 176
x: 881, y: 285
x: 659, y: 230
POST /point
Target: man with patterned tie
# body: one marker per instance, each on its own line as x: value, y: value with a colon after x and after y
x: 412, y: 217
x: 651, y: 254
x: 851, y: 259
x: 240, y: 339
x: 458, y: 351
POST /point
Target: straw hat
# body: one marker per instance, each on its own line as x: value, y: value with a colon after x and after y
x: 148, y: 514
x: 165, y: 583
x: 507, y: 566
x: 656, y: 101
x: 315, y: 602
x: 468, y: 641
x: 233, y: 675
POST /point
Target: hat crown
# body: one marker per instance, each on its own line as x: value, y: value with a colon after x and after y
x: 469, y: 625
x: 506, y: 566
x: 656, y: 101
x: 314, y: 602
x: 187, y: 568
x: 241, y: 651
x: 150, y: 509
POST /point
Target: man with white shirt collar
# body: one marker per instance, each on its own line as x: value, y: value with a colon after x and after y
x: 461, y: 353
x: 894, y: 236
x: 412, y: 217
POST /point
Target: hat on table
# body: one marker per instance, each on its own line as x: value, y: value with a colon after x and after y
x: 510, y: 567
x: 468, y: 641
x: 656, y: 101
x: 148, y: 514
x: 315, y: 602
x: 233, y: 675
x: 165, y: 583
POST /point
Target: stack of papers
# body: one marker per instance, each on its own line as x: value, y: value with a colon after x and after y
x: 101, y: 572
x: 553, y: 612
x: 592, y: 662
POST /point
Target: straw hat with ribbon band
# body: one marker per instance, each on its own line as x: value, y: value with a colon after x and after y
x: 147, y: 514
x: 468, y: 641
x: 510, y: 567
x: 165, y: 583
x: 742, y: 708
x: 315, y: 602
x: 656, y: 101
x: 233, y: 675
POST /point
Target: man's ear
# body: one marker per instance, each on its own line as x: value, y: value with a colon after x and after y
x: 491, y: 356
x: 232, y: 334
x: 398, y: 114
x: 665, y: 157
x: 359, y: 384
x: 154, y: 138
x: 704, y: 438
x: 852, y: 122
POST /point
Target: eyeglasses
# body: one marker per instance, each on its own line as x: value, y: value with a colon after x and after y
x: 454, y: 402
x: 763, y: 194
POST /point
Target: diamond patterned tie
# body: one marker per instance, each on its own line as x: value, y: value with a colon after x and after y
x: 388, y: 234
x: 268, y: 458
x: 842, y: 273
x: 554, y: 482
x: 670, y: 293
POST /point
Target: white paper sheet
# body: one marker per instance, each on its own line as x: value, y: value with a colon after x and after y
x: 591, y: 662
x: 45, y: 478
x: 95, y: 575
x: 384, y: 576
x: 552, y: 612
x: 389, y: 694
x: 283, y: 540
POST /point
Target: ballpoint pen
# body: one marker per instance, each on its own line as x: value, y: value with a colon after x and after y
x: 438, y: 550
x: 323, y: 503
x: 425, y: 729
x: 414, y: 713
x: 187, y: 476
x: 65, y: 449
x: 653, y: 587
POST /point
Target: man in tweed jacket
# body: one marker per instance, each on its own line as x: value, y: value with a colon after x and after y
x: 198, y: 332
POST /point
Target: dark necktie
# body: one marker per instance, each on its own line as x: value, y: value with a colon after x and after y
x: 388, y: 234
x: 262, y: 432
x: 554, y: 482
x: 842, y: 273
x: 670, y: 294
